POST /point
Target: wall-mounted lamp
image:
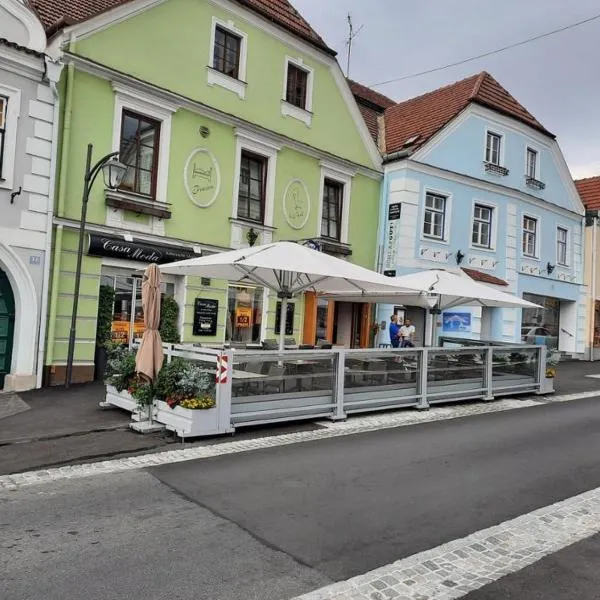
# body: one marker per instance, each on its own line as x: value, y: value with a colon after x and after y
x: 550, y: 268
x: 459, y: 257
x: 251, y: 236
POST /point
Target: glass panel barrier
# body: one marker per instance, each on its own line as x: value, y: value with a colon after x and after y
x: 455, y: 374
x: 514, y: 367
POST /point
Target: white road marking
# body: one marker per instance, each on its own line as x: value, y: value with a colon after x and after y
x: 328, y: 429
x: 464, y: 565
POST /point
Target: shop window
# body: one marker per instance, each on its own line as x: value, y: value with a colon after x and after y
x: 244, y: 314
x: 128, y: 314
x: 541, y: 325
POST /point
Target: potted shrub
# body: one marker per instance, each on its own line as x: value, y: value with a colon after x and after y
x: 119, y: 377
x: 185, y: 399
x: 106, y: 300
x: 169, y: 317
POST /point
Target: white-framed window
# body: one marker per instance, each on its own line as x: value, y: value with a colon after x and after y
x: 10, y: 109
x: 227, y: 58
x: 493, y: 148
x: 562, y: 246
x: 142, y: 136
x: 334, y: 202
x: 254, y: 179
x: 331, y: 216
x: 530, y: 236
x: 434, y: 218
x: 297, y: 90
x: 138, y: 150
x: 481, y: 235
x: 532, y: 163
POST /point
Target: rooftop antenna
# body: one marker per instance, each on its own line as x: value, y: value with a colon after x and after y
x: 351, y: 35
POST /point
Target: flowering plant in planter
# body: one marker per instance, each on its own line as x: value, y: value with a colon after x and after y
x: 120, y: 368
x: 186, y: 384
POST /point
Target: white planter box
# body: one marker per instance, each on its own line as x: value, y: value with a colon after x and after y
x: 125, y: 401
x: 186, y: 422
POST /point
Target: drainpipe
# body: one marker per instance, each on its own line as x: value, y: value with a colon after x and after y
x: 62, y: 184
x: 594, y: 263
x: 52, y: 74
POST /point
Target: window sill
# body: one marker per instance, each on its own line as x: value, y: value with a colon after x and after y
x: 329, y: 246
x: 494, y: 169
x: 237, y: 86
x: 248, y: 223
x: 534, y: 184
x: 482, y: 248
x: 301, y: 114
x: 137, y: 203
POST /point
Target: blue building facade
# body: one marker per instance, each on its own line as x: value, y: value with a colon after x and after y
x: 474, y: 182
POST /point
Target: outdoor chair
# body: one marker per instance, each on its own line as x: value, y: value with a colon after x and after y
x: 274, y: 383
x: 270, y: 344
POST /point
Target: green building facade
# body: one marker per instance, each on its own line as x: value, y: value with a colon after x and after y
x: 238, y: 127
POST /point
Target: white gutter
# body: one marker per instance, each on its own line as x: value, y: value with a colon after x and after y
x: 53, y: 70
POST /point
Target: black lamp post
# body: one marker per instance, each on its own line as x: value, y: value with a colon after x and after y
x: 113, y: 172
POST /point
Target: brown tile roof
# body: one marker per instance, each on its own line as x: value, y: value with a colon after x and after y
x: 56, y: 14
x: 371, y: 104
x: 589, y: 192
x: 424, y: 116
x: 363, y: 93
x: 484, y: 277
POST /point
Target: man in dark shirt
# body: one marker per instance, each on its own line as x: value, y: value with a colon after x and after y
x: 394, y: 332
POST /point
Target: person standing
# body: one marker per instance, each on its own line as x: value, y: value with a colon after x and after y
x: 394, y: 332
x: 407, y: 334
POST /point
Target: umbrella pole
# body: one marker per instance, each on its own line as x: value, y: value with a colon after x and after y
x: 282, y: 323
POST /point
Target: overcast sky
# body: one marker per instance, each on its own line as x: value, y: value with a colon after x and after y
x: 557, y: 78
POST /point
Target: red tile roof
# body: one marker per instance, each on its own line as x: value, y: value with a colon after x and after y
x: 589, y: 192
x: 56, y: 14
x: 362, y: 92
x: 484, y: 277
x: 371, y: 104
x: 424, y: 116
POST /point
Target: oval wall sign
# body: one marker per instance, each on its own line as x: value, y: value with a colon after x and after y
x: 296, y: 204
x: 202, y: 177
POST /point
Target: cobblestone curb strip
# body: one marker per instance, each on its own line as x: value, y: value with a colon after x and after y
x: 352, y: 426
x: 464, y: 565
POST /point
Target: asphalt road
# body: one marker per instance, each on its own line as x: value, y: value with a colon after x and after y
x: 272, y: 524
x: 348, y: 505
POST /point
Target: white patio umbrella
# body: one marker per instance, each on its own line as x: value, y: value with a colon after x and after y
x: 289, y: 269
x: 443, y: 289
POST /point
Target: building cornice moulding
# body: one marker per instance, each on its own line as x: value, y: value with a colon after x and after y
x: 412, y: 165
x: 162, y: 95
x: 21, y: 63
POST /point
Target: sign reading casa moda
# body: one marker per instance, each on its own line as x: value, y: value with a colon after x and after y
x: 202, y: 177
x: 296, y: 204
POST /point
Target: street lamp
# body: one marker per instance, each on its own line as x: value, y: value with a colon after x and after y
x: 113, y: 171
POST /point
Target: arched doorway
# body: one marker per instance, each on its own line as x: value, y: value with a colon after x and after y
x: 7, y: 326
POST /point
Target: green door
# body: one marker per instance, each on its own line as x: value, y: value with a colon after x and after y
x: 7, y: 325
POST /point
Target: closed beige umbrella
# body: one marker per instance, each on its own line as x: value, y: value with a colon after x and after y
x: 149, y: 358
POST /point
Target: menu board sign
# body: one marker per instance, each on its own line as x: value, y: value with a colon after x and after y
x: 206, y: 314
